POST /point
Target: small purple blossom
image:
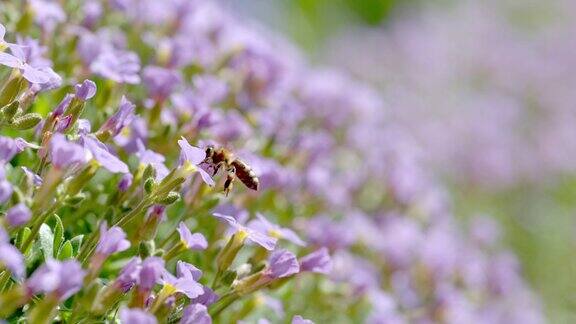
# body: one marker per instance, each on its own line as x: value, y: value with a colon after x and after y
x: 18, y: 215
x: 150, y: 272
x: 64, y: 153
x: 136, y: 316
x: 282, y: 263
x: 129, y: 275
x: 262, y: 225
x: 184, y: 269
x: 207, y: 298
x: 184, y: 285
x: 120, y: 119
x: 191, y: 241
x: 12, y: 259
x: 9, y: 147
x: 117, y: 65
x: 63, y: 279
x: 196, y: 314
x: 18, y: 61
x: 125, y: 182
x: 6, y: 190
x: 100, y: 153
x: 161, y: 82
x: 300, y: 320
x: 257, y: 237
x: 156, y: 160
x: 112, y: 240
x: 85, y: 90
x: 195, y: 156
x: 318, y: 261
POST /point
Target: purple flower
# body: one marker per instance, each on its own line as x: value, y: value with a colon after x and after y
x: 185, y: 285
x: 136, y: 316
x: 300, y: 320
x: 18, y: 61
x: 117, y: 65
x: 196, y: 314
x: 194, y: 241
x: 160, y: 82
x: 282, y: 263
x: 125, y: 182
x: 9, y: 147
x: 64, y: 153
x: 100, y: 153
x: 63, y: 124
x: 207, y: 298
x: 149, y: 157
x: 194, y: 156
x: 47, y: 14
x: 62, y: 106
x: 85, y: 90
x: 318, y: 261
x: 112, y: 240
x: 129, y: 275
x: 150, y: 272
x: 120, y: 119
x: 184, y: 269
x: 60, y: 278
x: 12, y: 259
x: 262, y: 225
x: 257, y: 237
x: 18, y: 215
x: 5, y: 190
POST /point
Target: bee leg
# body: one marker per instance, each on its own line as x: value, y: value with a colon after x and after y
x: 217, y: 167
x: 229, y: 180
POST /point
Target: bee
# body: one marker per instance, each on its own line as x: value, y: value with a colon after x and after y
x: 235, y: 168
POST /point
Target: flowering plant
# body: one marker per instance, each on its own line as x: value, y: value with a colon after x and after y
x: 122, y: 121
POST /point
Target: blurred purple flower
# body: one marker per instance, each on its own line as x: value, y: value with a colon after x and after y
x: 191, y: 241
x: 85, y: 90
x: 160, y: 82
x: 150, y: 272
x: 18, y: 61
x: 12, y: 259
x: 136, y: 316
x: 64, y: 154
x: 207, y: 298
x: 47, y: 14
x: 120, y: 119
x: 282, y: 263
x: 125, y: 182
x: 196, y: 314
x: 111, y: 240
x: 262, y: 225
x: 318, y: 261
x: 117, y: 65
x: 6, y: 190
x: 32, y: 177
x: 129, y: 275
x: 149, y: 157
x: 60, y: 278
x: 18, y: 215
x: 100, y: 153
x: 9, y: 147
x: 297, y: 319
x: 257, y: 237
x: 184, y: 269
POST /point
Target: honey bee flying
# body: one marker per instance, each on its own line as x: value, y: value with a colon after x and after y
x: 221, y: 157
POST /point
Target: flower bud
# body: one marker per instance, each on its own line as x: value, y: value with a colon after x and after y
x: 149, y: 185
x: 169, y: 199
x: 26, y: 121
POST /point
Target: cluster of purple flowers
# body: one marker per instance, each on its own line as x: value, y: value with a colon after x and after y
x: 110, y: 211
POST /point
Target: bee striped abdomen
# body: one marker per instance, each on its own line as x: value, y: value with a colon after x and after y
x: 246, y: 174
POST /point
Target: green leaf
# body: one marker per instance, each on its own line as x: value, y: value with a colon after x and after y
x: 66, y: 252
x: 76, y: 242
x: 46, y: 240
x: 58, y: 233
x: 22, y: 236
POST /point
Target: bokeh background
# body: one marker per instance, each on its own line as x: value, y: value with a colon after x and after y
x: 488, y: 88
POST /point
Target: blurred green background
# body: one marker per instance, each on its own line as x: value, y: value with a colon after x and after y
x: 537, y: 218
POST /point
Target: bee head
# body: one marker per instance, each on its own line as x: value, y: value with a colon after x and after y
x: 209, y: 151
